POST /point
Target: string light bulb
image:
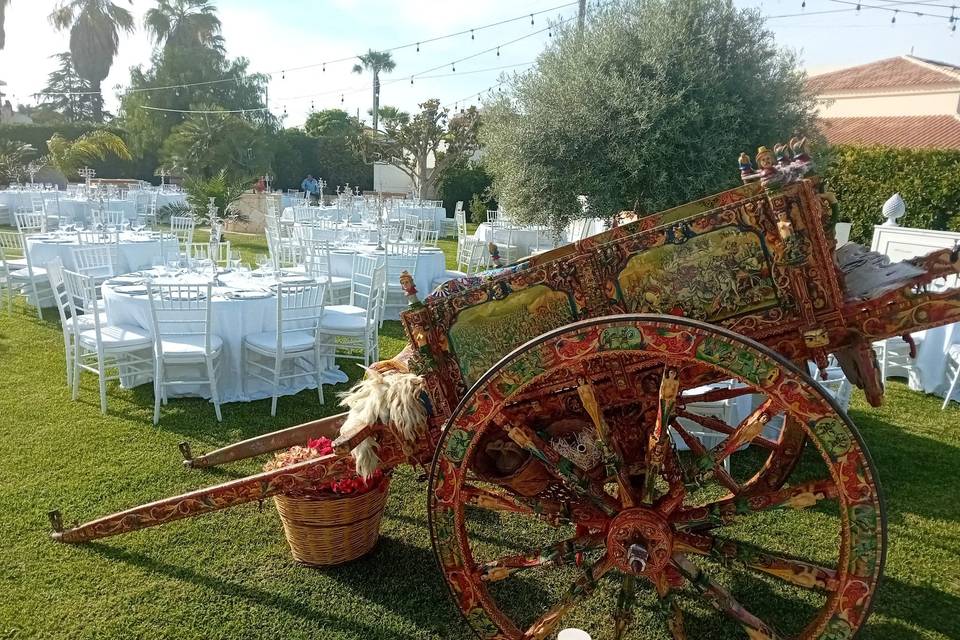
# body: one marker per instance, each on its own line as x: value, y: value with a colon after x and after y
x: 324, y: 67
x: 418, y: 47
x: 283, y: 75
x: 803, y: 5
x: 498, y: 52
x: 411, y: 81
x: 858, y: 7
x: 471, y: 35
x: 531, y: 19
x: 453, y: 67
x: 893, y: 20
x: 341, y: 98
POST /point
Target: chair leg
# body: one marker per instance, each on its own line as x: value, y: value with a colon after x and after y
x: 101, y: 375
x: 212, y: 375
x: 277, y: 363
x: 318, y: 371
x: 157, y: 390
x: 953, y: 386
x: 68, y: 359
x: 883, y: 362
x: 76, y: 375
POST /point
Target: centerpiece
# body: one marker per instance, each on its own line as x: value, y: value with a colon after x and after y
x: 332, y: 522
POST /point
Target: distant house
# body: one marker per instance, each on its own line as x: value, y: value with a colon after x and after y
x: 899, y: 102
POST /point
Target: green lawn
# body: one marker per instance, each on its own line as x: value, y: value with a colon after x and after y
x: 229, y: 575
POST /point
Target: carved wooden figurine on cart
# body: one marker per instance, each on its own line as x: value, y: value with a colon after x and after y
x: 561, y: 389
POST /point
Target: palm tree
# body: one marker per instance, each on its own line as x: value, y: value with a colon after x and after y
x: 94, y: 37
x: 184, y: 23
x: 3, y: 11
x: 375, y: 62
x: 70, y: 155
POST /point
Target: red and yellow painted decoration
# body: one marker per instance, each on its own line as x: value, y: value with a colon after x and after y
x: 671, y: 529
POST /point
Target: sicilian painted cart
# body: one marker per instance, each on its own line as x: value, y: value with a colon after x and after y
x: 548, y: 400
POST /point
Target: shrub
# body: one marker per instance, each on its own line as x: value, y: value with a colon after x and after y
x: 461, y: 182
x: 865, y: 177
x: 477, y: 209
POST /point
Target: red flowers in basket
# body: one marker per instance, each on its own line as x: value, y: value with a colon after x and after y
x: 352, y: 485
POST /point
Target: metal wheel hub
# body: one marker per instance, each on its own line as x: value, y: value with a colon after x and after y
x: 640, y: 542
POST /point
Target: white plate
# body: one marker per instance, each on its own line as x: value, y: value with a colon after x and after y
x: 247, y: 295
x: 126, y: 280
x: 132, y: 290
x: 297, y: 280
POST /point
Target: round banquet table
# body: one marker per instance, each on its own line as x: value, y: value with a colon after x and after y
x: 526, y: 239
x: 136, y: 250
x: 435, y: 215
x: 431, y: 264
x: 929, y: 370
x: 232, y: 319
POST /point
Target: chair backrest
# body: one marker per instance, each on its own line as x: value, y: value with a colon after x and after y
x: 108, y: 218
x: 475, y: 258
x: 31, y: 222
x: 95, y: 260
x: 299, y: 308
x: 81, y: 294
x: 459, y: 208
x: 12, y: 244
x: 316, y: 256
x: 201, y: 251
x: 493, y: 216
x: 429, y: 237
x: 182, y: 227
x: 180, y: 310
x: 368, y: 283
x: 37, y: 204
x: 400, y: 257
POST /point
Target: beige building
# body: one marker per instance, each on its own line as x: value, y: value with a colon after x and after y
x: 901, y: 102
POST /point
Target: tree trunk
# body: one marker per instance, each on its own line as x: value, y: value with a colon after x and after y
x: 97, y: 103
x: 376, y: 99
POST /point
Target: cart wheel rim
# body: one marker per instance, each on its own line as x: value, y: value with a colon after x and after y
x: 629, y: 541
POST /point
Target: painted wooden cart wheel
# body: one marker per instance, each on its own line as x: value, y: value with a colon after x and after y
x: 561, y: 496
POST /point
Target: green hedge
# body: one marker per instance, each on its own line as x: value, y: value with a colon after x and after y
x: 462, y: 182
x: 37, y: 135
x: 865, y: 177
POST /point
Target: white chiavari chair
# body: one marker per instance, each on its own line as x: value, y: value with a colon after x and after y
x: 476, y: 261
x: 317, y: 264
x: 108, y: 219
x: 22, y: 276
x: 293, y: 342
x: 31, y: 222
x: 183, y: 339
x: 70, y: 325
x: 429, y: 237
x: 501, y: 235
x: 104, y: 346
x: 199, y: 251
x: 400, y: 257
x: 97, y: 261
x: 182, y: 227
x: 493, y: 216
x: 346, y: 329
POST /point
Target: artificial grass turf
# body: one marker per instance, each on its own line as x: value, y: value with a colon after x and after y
x: 229, y: 574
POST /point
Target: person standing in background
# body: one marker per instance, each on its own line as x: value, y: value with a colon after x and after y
x: 311, y: 186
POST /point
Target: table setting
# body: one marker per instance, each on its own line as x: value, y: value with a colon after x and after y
x: 136, y: 247
x: 243, y: 303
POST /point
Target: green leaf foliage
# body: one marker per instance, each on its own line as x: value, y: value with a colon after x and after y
x: 463, y: 181
x: 649, y: 106
x: 928, y: 180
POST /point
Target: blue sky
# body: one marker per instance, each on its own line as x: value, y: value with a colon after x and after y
x: 279, y: 35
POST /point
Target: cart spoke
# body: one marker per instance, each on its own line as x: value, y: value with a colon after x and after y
x: 556, y: 555
x: 705, y: 464
x: 612, y: 460
x: 745, y: 432
x: 795, y: 571
x: 715, y: 424
x: 669, y: 607
x: 624, y: 612
x: 563, y: 469
x: 726, y: 510
x: 722, y: 600
x: 659, y: 438
x: 580, y: 588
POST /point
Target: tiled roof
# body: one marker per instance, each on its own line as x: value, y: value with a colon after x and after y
x: 891, y: 73
x: 916, y: 132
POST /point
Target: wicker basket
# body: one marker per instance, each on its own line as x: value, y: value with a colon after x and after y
x: 327, y: 530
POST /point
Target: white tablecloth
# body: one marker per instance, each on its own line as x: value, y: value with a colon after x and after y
x: 332, y: 213
x: 435, y: 215
x: 231, y: 320
x: 530, y: 239
x: 136, y: 251
x: 929, y: 371
x: 430, y: 265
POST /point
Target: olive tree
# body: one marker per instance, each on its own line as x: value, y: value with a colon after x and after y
x: 647, y: 108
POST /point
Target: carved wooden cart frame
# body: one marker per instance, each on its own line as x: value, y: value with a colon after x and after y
x: 609, y: 342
